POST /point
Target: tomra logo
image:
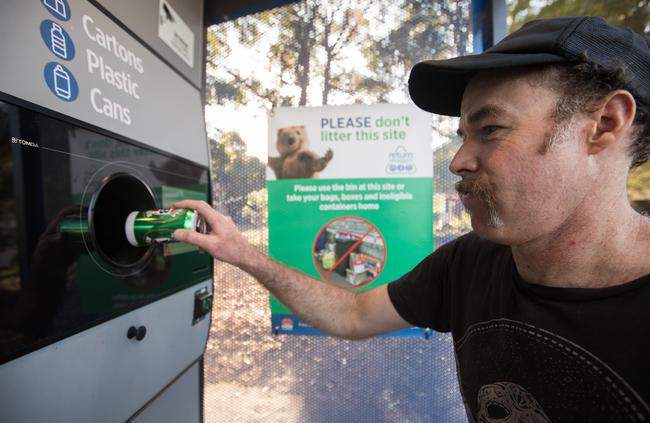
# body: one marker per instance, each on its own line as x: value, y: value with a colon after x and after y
x: 400, y: 162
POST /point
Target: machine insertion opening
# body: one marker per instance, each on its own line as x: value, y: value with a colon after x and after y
x: 110, y: 206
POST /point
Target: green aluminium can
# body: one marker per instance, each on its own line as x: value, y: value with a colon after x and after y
x: 147, y: 227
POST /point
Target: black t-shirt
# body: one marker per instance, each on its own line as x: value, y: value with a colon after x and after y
x: 531, y: 353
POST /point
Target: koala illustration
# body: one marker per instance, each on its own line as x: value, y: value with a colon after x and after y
x: 296, y: 160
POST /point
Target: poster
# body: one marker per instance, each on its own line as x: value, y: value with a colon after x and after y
x: 350, y: 193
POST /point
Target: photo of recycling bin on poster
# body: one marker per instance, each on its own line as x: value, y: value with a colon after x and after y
x: 350, y: 193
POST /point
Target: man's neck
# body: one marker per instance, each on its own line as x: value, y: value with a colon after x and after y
x: 605, y: 250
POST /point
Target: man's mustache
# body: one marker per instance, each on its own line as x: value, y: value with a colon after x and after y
x: 477, y: 188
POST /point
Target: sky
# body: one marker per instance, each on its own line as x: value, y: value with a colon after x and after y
x: 250, y: 122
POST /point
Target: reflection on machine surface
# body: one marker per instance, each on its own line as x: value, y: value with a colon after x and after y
x: 65, y: 262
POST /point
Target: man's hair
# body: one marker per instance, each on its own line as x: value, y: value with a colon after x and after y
x: 584, y: 85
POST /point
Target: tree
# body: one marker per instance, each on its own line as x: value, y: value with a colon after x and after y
x: 256, y: 208
x: 308, y: 49
x: 235, y: 173
x: 429, y: 30
x: 634, y: 14
x: 638, y: 188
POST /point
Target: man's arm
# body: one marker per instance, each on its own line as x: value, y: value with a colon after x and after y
x: 329, y: 308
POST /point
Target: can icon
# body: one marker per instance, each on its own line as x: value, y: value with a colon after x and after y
x: 62, y: 82
x: 147, y: 227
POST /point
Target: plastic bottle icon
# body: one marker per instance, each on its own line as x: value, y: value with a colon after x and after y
x: 58, y: 7
x: 57, y: 38
x: 62, y: 82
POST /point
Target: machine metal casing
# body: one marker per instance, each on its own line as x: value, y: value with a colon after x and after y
x: 86, y: 368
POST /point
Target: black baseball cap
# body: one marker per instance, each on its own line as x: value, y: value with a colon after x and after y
x: 437, y: 86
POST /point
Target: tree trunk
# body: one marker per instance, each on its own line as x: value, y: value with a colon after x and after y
x: 327, y: 86
x: 305, y: 42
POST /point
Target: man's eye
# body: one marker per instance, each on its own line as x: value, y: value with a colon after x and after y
x: 489, y: 129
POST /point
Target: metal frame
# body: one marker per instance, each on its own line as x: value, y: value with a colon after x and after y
x: 219, y: 11
x: 488, y: 23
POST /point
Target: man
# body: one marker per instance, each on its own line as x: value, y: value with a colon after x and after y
x: 548, y: 298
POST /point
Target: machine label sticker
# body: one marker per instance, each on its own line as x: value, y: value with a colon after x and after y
x: 61, y: 81
x: 176, y: 33
x: 58, y: 8
x: 114, y: 66
x: 71, y: 57
x: 57, y: 40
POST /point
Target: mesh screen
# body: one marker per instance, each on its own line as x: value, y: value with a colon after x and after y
x: 320, y: 53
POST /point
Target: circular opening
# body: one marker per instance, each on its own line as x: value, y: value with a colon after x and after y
x: 119, y: 195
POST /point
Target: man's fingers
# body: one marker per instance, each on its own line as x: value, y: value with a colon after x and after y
x: 209, y: 214
x: 192, y: 237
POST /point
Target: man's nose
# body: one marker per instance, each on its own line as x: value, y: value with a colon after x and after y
x: 465, y: 160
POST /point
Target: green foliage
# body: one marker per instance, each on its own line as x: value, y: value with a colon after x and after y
x: 306, y: 47
x: 633, y: 14
x: 256, y: 208
x: 235, y: 173
x: 427, y: 32
x: 638, y: 184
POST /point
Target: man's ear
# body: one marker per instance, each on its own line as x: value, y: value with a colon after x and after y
x: 612, y: 120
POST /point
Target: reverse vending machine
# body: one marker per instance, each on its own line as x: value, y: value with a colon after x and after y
x: 100, y: 116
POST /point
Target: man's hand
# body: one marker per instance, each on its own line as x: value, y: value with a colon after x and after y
x: 329, y: 308
x: 223, y: 241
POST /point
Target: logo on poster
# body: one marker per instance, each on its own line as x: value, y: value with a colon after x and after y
x: 57, y: 40
x: 400, y: 162
x: 58, y: 8
x: 286, y: 324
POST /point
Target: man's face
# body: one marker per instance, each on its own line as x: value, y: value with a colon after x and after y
x: 515, y: 186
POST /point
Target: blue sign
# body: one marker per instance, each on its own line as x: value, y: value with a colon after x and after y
x: 57, y: 40
x: 58, y: 8
x: 61, y: 81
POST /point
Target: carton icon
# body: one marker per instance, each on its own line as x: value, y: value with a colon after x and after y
x: 57, y: 7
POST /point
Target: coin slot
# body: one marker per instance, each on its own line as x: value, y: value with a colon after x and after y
x: 119, y: 195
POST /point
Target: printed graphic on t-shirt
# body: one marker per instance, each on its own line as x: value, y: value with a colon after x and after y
x: 515, y: 372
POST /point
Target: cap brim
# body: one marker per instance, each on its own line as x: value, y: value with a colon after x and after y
x: 437, y: 86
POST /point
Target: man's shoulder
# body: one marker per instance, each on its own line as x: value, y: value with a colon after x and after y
x: 471, y: 253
